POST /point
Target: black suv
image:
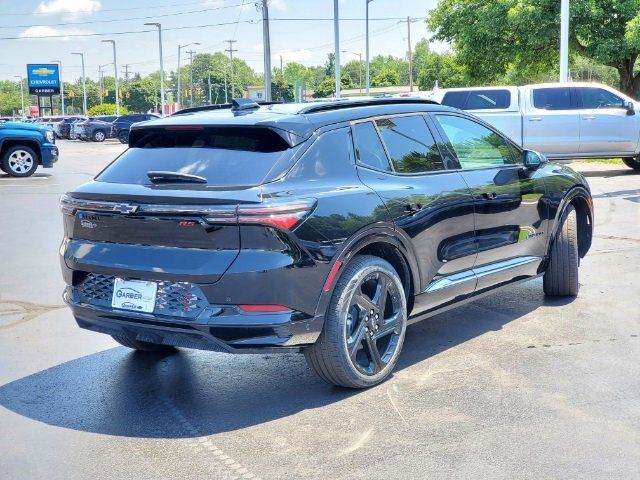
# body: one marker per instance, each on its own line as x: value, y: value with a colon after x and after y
x: 120, y: 126
x: 322, y: 228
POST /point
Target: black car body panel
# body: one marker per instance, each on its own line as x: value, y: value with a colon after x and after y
x: 452, y: 233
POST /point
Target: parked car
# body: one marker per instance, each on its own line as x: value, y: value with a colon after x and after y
x: 95, y: 128
x: 122, y: 124
x: 322, y: 228
x: 562, y: 121
x: 24, y: 146
x: 62, y: 129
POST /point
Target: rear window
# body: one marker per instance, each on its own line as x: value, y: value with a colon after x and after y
x: 478, y: 99
x: 225, y: 156
x: 552, y: 98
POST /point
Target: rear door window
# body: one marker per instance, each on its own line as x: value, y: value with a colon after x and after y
x: 478, y: 99
x: 558, y: 98
x: 410, y: 144
x: 369, y: 149
x: 225, y: 156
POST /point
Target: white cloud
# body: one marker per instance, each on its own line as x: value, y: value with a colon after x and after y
x: 278, y: 5
x: 44, y: 32
x: 68, y: 8
x: 293, y: 55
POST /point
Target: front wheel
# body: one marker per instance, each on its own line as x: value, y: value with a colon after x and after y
x: 364, y: 326
x: 20, y: 161
x: 632, y: 162
x: 561, y: 276
x: 98, y: 136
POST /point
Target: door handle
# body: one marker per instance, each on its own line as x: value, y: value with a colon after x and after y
x: 490, y: 195
x: 535, y: 119
x: 412, y: 207
x: 589, y: 117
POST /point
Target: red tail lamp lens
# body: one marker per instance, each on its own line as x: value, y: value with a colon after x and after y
x: 264, y: 308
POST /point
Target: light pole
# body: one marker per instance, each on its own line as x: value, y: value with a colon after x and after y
x: 115, y: 70
x: 367, y: 48
x: 336, y: 48
x: 61, y: 86
x: 161, y: 64
x: 359, y: 65
x: 21, y: 92
x: 564, y: 41
x: 84, y: 84
x: 180, y: 47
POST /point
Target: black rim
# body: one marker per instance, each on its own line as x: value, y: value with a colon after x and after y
x: 374, y: 323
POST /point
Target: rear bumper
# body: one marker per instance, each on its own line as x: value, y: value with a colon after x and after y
x: 220, y: 328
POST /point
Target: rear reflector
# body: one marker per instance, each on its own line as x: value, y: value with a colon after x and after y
x: 184, y: 127
x: 332, y: 276
x: 264, y: 308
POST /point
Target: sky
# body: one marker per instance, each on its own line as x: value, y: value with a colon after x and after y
x: 301, y: 31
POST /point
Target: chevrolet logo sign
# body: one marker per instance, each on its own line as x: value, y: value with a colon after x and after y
x: 125, y: 208
x: 42, y: 71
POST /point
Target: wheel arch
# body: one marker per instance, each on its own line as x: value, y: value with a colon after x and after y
x: 26, y: 142
x: 580, y: 199
x: 382, y: 241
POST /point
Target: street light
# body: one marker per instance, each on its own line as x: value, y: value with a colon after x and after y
x: 564, y: 41
x: 359, y: 65
x: 61, y: 86
x: 154, y: 24
x: 367, y: 54
x: 21, y: 92
x: 84, y: 84
x: 180, y: 47
x: 115, y: 69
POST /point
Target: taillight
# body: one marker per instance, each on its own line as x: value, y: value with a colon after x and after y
x: 264, y: 308
x: 284, y: 215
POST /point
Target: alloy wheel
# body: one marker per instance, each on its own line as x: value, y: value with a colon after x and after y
x: 20, y: 162
x: 374, y: 323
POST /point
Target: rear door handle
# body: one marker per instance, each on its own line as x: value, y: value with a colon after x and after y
x: 535, y: 119
x: 490, y: 195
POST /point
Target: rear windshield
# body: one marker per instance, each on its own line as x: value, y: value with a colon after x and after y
x: 225, y: 156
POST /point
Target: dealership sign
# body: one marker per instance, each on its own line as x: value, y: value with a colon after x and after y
x: 43, y: 79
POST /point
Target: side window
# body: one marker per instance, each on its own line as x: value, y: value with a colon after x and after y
x: 329, y: 156
x: 488, y: 100
x: 455, y: 99
x: 369, y: 149
x: 475, y: 145
x: 410, y: 144
x: 553, y: 98
x: 593, y: 97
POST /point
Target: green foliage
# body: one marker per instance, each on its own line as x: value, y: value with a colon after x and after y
x: 10, y: 101
x: 388, y: 70
x: 106, y: 109
x: 492, y: 38
x: 444, y: 68
x: 385, y: 77
x: 326, y: 88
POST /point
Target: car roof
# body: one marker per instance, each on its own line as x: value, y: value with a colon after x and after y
x: 296, y: 121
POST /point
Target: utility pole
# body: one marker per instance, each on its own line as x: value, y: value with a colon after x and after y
x: 267, y: 51
x: 159, y: 26
x: 59, y: 62
x: 180, y: 47
x: 191, y: 52
x: 115, y: 71
x: 209, y: 89
x: 336, y: 47
x: 564, y: 41
x: 126, y: 74
x: 231, y: 50
x: 366, y: 74
x: 409, y: 51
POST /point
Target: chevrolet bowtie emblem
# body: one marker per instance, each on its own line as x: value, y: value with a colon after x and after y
x: 125, y: 208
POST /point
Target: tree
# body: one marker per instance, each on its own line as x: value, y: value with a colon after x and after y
x: 491, y: 37
x: 10, y: 101
x: 385, y: 77
x: 106, y: 109
x: 443, y: 68
x: 326, y: 88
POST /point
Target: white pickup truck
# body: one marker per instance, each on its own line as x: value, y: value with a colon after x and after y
x: 562, y: 121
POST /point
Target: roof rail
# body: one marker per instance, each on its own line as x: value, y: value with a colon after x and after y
x: 346, y: 103
x: 222, y: 106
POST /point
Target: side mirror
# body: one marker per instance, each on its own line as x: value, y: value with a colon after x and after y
x: 630, y: 107
x: 533, y: 160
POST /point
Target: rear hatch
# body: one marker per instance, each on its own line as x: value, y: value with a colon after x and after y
x: 168, y: 206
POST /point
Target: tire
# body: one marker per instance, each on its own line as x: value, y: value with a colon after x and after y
x: 142, y: 346
x: 632, y: 163
x: 561, y: 276
x: 98, y: 136
x: 349, y: 326
x: 123, y: 136
x: 20, y: 161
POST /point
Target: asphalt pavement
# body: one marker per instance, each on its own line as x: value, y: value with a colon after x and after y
x: 513, y: 386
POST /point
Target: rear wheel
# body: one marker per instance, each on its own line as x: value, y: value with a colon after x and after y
x: 364, y: 326
x: 20, y: 161
x: 632, y: 162
x: 141, y: 346
x: 561, y: 277
x: 123, y: 136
